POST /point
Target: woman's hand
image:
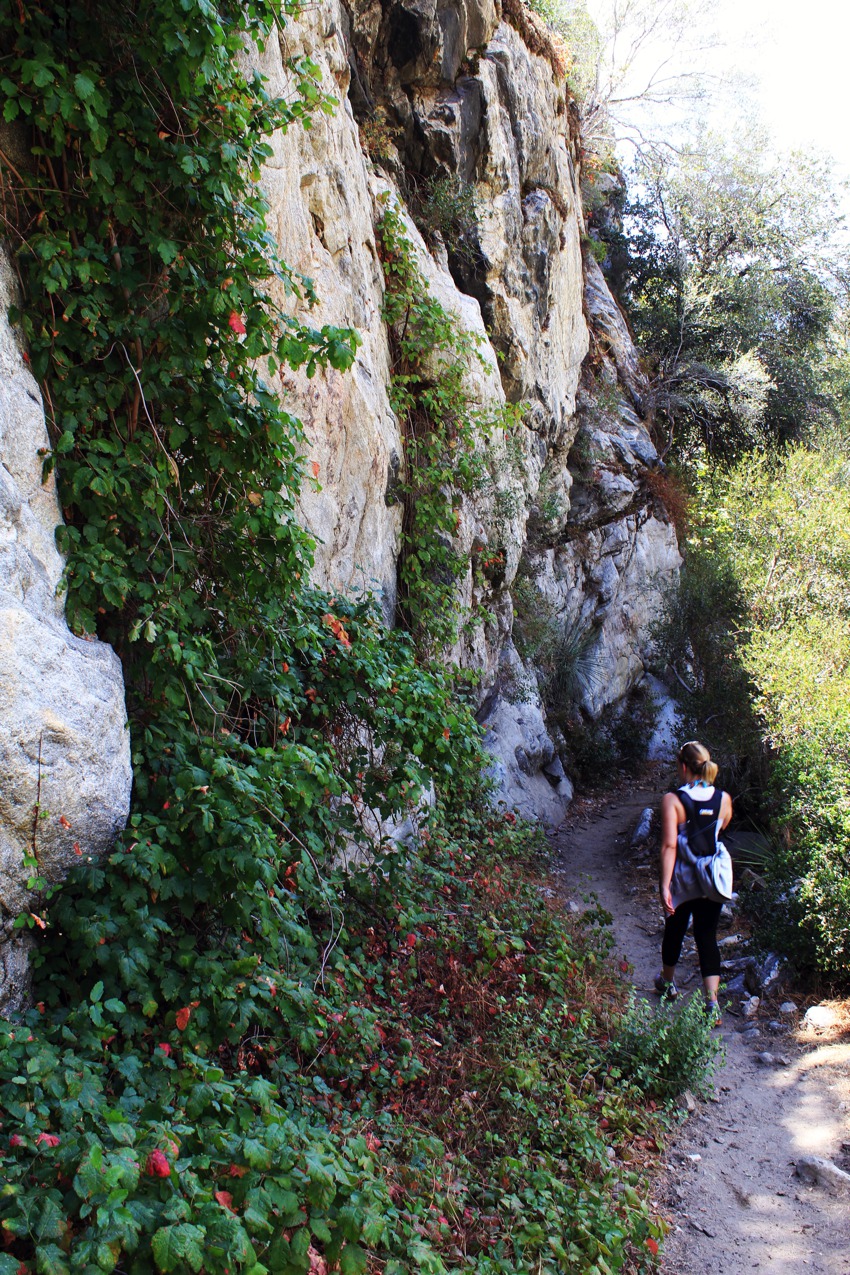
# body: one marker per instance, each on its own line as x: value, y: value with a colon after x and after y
x: 672, y: 814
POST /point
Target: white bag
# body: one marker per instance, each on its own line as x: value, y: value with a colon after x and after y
x: 712, y: 871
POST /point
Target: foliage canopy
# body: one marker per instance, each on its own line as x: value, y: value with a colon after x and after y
x: 731, y: 265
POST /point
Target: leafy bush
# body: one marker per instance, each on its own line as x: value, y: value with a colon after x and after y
x: 436, y: 1076
x: 445, y: 206
x: 765, y: 611
x: 668, y: 1048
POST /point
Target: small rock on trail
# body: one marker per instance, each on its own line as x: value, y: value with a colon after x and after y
x: 821, y: 1172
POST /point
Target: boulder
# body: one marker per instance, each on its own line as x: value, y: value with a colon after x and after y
x: 643, y: 827
x: 529, y: 777
x: 763, y: 975
x: 64, y: 741
x: 820, y: 1017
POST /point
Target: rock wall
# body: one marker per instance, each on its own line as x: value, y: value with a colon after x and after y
x: 427, y: 91
x: 64, y: 743
x: 445, y: 90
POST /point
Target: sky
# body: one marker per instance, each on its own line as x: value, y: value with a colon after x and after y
x: 795, y: 58
x: 798, y: 54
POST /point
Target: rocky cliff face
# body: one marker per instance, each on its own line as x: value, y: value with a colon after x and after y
x: 64, y: 743
x: 433, y: 96
x: 449, y: 96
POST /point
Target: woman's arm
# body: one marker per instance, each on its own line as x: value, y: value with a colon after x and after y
x: 672, y: 814
x: 725, y: 810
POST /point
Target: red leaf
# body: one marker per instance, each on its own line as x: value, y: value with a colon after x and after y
x: 411, y: 940
x: 166, y: 1048
x: 237, y: 1171
x: 66, y: 823
x: 77, y: 849
x: 652, y: 1245
x: 183, y: 1016
x: 624, y: 966
x: 49, y: 1139
x: 16, y: 1140
x: 236, y: 324
x: 315, y: 468
x: 446, y: 732
x: 318, y: 1265
x: 337, y: 628
x: 225, y: 1199
x: 157, y: 1165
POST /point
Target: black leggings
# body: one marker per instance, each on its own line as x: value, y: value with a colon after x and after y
x: 706, y: 914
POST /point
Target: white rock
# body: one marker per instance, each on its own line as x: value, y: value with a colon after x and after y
x: 821, y: 1172
x: 751, y: 1007
x: 820, y: 1017
x: 642, y: 827
x: 64, y: 743
x: 504, y: 125
x: 517, y: 738
x: 788, y: 1009
x: 321, y: 214
x: 666, y: 733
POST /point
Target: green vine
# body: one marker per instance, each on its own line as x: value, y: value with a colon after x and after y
x: 443, y: 429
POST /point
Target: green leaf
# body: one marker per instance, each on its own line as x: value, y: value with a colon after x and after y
x: 167, y: 250
x: 51, y: 1221
x: 257, y: 1154
x: 177, y: 1247
x: 353, y: 1260
x: 50, y: 1260
x: 84, y: 85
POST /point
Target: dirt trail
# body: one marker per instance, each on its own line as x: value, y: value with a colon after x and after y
x: 730, y: 1190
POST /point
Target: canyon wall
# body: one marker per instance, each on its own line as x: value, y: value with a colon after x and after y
x: 471, y: 97
x: 467, y: 97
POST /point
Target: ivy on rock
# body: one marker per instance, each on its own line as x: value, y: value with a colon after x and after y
x: 444, y: 430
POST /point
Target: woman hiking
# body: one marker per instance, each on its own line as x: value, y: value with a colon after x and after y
x: 697, y: 812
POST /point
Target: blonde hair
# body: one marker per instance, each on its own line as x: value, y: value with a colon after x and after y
x: 696, y: 758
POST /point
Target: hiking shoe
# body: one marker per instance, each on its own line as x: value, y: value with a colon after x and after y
x: 714, y: 1013
x: 669, y: 991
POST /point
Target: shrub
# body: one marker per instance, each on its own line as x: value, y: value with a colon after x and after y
x: 667, y: 1049
x: 764, y: 616
x: 445, y: 206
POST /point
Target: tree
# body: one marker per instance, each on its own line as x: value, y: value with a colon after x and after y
x: 731, y: 266
x: 632, y: 58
